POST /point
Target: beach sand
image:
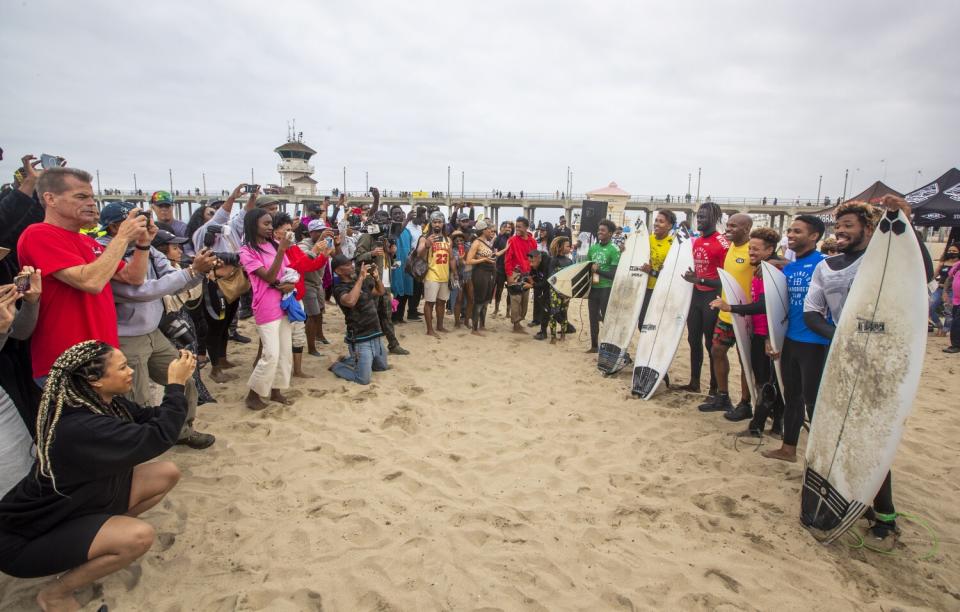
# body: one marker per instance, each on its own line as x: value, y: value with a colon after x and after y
x: 502, y: 473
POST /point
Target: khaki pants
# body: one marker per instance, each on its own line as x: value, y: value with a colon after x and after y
x: 276, y: 360
x: 518, y: 306
x: 150, y: 356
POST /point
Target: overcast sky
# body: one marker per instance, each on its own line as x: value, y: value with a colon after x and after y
x: 764, y: 96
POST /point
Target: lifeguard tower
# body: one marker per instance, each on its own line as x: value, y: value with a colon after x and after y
x: 294, y: 166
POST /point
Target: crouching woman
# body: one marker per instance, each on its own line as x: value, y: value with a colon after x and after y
x: 74, y: 513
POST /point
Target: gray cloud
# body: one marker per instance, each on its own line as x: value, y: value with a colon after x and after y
x: 765, y: 96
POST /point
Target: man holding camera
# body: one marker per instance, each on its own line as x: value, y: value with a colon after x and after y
x: 517, y: 266
x: 78, y: 298
x: 357, y: 294
x: 375, y: 247
x: 140, y: 314
x: 441, y: 271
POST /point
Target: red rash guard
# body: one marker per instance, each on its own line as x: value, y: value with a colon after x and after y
x: 708, y: 254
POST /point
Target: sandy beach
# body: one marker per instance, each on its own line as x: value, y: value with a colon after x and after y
x: 502, y: 473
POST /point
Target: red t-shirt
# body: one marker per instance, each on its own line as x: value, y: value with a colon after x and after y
x: 516, y: 255
x: 67, y: 316
x: 708, y: 255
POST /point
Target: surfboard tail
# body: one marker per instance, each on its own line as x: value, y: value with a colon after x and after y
x: 824, y: 510
x: 609, y: 358
x: 645, y: 380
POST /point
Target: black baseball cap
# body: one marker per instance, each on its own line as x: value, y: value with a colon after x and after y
x: 340, y: 260
x: 164, y: 237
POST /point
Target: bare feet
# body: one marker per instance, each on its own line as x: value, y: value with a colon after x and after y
x: 443, y: 329
x: 785, y: 453
x: 476, y: 333
x: 254, y: 402
x: 517, y: 329
x: 226, y: 365
x: 434, y: 334
x: 276, y: 396
x: 219, y: 376
x: 553, y: 340
x: 50, y: 601
x: 456, y: 325
x: 300, y: 375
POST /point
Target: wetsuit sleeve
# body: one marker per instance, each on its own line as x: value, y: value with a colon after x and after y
x: 818, y: 324
x: 713, y: 283
x: 608, y: 274
x: 753, y: 308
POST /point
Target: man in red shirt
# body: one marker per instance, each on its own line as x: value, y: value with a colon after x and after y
x: 517, y: 265
x: 709, y: 251
x: 77, y: 304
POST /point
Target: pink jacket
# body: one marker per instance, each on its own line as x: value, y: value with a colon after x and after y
x: 954, y: 274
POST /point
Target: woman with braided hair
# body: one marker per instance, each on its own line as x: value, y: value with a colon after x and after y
x: 74, y: 512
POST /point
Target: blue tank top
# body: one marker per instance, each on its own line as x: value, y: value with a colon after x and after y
x: 799, y: 274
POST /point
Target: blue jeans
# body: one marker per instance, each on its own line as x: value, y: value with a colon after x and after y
x: 365, y: 357
x: 936, y: 303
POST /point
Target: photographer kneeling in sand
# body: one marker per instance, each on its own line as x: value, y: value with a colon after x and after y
x: 74, y: 512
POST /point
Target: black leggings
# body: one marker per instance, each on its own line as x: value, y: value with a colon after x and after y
x: 802, y: 366
x: 643, y: 309
x: 763, y: 373
x: 597, y: 307
x: 484, y: 278
x: 955, y: 327
x: 499, y: 284
x: 700, y: 323
x: 218, y: 331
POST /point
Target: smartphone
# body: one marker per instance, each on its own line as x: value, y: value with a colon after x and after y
x: 328, y: 239
x: 49, y: 161
x: 291, y: 237
x: 250, y: 188
x: 144, y: 213
x: 22, y: 282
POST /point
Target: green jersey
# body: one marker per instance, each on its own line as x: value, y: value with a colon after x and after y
x: 607, y: 256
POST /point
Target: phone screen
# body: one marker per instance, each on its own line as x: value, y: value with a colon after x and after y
x: 329, y: 243
x: 49, y: 161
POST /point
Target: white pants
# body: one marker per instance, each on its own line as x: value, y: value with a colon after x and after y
x: 273, y: 369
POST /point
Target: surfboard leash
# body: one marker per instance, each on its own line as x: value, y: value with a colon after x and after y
x: 861, y: 543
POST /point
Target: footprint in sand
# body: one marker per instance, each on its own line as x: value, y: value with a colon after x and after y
x: 412, y: 391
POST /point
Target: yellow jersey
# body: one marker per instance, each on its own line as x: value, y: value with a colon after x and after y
x: 438, y: 261
x: 737, y: 264
x: 658, y: 254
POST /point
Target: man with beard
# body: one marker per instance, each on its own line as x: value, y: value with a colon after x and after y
x: 804, y: 350
x: 375, y: 247
x: 709, y: 251
x: 737, y: 263
x: 832, y: 279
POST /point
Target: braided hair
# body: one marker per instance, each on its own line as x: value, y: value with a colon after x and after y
x: 69, y: 385
x: 714, y: 212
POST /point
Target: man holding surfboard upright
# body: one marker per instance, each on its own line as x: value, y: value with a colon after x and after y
x: 804, y: 351
x: 709, y: 250
x: 605, y: 256
x: 737, y: 263
x: 829, y: 288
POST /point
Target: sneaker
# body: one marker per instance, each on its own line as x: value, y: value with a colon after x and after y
x: 397, y: 350
x: 238, y: 337
x: 540, y: 336
x: 414, y: 317
x: 741, y: 412
x: 197, y: 440
x: 952, y: 349
x: 720, y: 403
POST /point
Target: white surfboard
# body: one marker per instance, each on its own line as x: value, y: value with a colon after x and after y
x: 572, y: 281
x: 869, y: 382
x: 666, y: 319
x: 777, y: 304
x: 626, y: 301
x: 742, y: 328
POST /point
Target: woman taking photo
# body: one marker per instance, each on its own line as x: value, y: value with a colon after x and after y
x: 266, y: 264
x: 75, y: 511
x: 483, y: 258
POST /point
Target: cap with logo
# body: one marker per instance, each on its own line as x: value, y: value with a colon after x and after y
x: 115, y: 212
x: 316, y: 225
x: 161, y: 198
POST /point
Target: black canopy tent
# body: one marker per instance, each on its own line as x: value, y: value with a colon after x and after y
x: 872, y: 194
x: 937, y: 204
